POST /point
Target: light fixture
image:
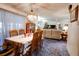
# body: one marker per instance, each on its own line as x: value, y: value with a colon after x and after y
x: 31, y: 10
x: 32, y: 16
x: 65, y: 28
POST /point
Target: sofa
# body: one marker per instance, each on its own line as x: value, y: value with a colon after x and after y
x: 52, y: 33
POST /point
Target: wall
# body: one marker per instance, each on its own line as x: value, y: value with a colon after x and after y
x: 64, y: 21
x: 73, y: 38
x: 51, y: 22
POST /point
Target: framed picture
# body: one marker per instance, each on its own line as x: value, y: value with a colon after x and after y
x: 74, y: 14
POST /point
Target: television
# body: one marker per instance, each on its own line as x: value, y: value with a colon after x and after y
x: 50, y: 27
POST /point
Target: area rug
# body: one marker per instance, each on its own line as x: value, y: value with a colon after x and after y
x: 52, y: 47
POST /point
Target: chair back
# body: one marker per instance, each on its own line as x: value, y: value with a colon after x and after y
x: 13, y: 33
x: 21, y: 31
x: 40, y: 34
x: 34, y: 45
x: 40, y: 39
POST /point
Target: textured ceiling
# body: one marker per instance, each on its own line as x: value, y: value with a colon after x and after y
x: 50, y: 11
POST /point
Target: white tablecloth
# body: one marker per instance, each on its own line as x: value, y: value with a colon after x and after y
x: 25, y: 40
x: 21, y: 38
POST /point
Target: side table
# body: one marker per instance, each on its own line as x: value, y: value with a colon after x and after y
x: 64, y: 36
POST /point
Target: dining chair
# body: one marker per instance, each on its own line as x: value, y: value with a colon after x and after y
x: 21, y: 31
x: 13, y: 33
x: 6, y: 50
x: 34, y: 45
x: 40, y: 42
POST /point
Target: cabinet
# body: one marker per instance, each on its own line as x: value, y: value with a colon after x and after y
x: 30, y: 27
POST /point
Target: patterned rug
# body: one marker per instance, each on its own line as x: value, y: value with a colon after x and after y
x: 53, y: 48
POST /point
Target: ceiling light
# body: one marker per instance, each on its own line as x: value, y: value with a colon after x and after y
x: 31, y: 10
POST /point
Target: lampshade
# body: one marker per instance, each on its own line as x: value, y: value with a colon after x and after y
x: 65, y: 28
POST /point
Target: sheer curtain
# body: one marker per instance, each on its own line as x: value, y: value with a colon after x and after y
x: 10, y: 21
x: 1, y: 36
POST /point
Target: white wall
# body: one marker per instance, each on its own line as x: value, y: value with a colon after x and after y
x: 65, y: 21
x: 73, y: 39
x: 51, y: 22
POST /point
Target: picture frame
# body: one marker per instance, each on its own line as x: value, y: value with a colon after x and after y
x: 74, y: 14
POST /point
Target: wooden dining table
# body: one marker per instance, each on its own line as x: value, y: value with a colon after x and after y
x: 25, y: 40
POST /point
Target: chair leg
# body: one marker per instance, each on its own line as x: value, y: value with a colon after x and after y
x: 35, y: 52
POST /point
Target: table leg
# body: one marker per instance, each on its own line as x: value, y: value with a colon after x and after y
x: 22, y: 49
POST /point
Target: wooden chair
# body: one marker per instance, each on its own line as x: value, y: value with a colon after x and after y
x: 40, y: 43
x: 13, y: 33
x: 21, y: 31
x: 6, y: 50
x: 34, y: 45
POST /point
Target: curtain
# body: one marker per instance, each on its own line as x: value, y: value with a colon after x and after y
x: 10, y: 21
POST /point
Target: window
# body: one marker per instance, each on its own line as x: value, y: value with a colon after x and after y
x: 10, y: 26
x: 0, y: 25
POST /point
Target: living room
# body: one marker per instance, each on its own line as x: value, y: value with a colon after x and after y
x: 51, y: 23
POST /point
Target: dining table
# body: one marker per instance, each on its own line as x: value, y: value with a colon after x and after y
x: 25, y: 40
